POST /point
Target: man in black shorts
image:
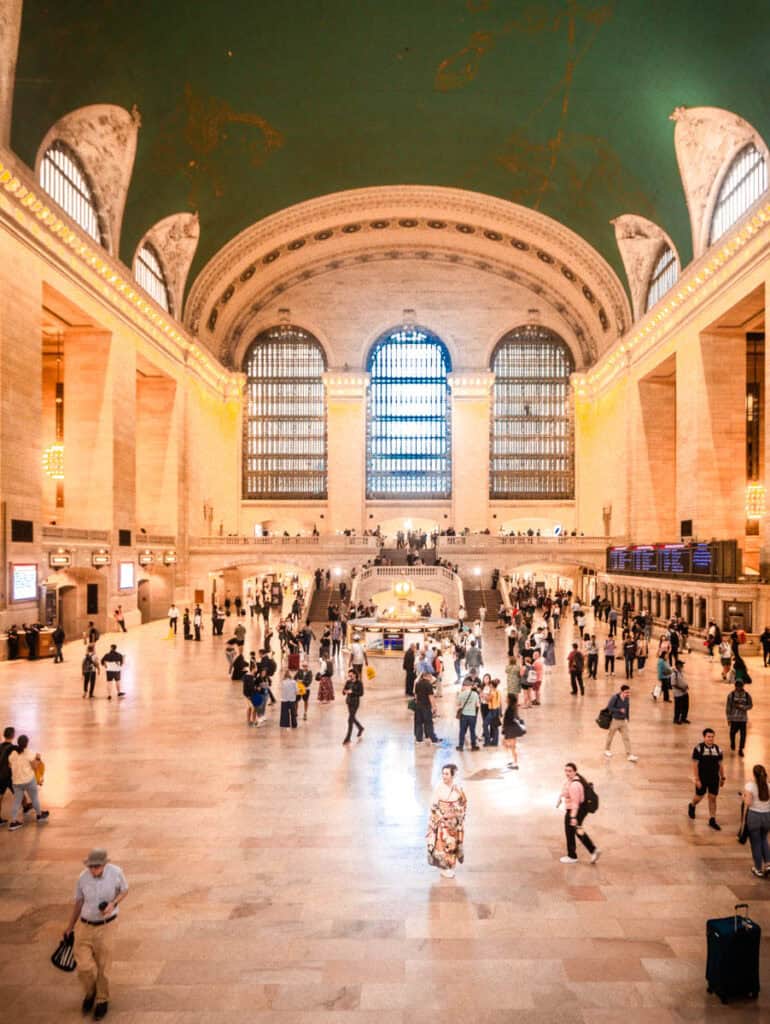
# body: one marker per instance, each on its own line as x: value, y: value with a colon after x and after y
x: 112, y: 663
x: 708, y: 775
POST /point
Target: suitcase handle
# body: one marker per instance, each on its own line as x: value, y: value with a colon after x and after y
x: 739, y: 905
x: 744, y: 916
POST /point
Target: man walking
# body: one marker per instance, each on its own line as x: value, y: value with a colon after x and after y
x: 112, y: 663
x: 425, y: 700
x: 708, y: 775
x: 358, y: 656
x: 739, y: 703
x: 58, y: 637
x: 619, y: 707
x: 100, y: 888
x: 575, y: 664
x: 353, y: 692
x: 468, y: 706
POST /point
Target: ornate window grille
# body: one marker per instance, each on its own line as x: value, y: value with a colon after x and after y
x: 532, y: 449
x: 408, y: 442
x: 149, y: 275
x: 664, y: 276
x: 284, y: 428
x: 744, y: 183
x: 63, y: 178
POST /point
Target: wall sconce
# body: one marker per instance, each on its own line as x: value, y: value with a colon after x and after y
x: 59, y: 559
x: 169, y: 557
x: 100, y: 558
x: 146, y: 557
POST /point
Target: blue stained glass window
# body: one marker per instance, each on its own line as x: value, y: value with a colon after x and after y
x: 408, y: 445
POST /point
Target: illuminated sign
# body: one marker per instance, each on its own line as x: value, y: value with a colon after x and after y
x: 146, y: 558
x: 126, y: 576
x: 100, y: 558
x: 716, y: 560
x: 60, y: 559
x: 24, y: 582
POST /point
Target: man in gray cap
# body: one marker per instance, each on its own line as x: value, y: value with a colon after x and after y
x: 101, y: 887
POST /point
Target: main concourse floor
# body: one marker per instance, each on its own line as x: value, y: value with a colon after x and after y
x: 278, y: 877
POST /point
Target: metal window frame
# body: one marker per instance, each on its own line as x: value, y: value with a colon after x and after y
x: 148, y: 271
x: 280, y: 422
x: 664, y: 276
x: 532, y: 453
x: 406, y: 469
x: 64, y: 179
x: 744, y: 182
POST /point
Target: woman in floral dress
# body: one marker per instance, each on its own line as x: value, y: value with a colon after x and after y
x: 324, y: 679
x: 446, y: 828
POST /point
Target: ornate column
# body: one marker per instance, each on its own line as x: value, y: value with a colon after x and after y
x: 346, y: 448
x: 10, y: 27
x: 471, y: 419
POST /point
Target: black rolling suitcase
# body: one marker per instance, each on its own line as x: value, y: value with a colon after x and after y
x: 732, y: 965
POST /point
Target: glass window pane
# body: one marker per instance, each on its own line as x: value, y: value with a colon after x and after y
x: 408, y: 437
x: 531, y: 431
x: 284, y: 424
x: 63, y: 178
x: 149, y: 275
x: 664, y: 276
x: 744, y: 183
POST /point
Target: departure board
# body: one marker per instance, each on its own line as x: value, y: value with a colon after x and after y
x: 717, y: 560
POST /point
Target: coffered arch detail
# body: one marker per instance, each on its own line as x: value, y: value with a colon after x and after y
x: 438, y: 225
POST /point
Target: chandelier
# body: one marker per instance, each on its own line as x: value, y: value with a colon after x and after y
x: 755, y: 501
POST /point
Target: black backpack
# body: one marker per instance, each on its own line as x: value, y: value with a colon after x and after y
x: 590, y: 797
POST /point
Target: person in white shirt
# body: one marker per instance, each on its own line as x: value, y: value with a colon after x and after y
x: 23, y: 766
x: 358, y: 656
x: 173, y: 617
x: 756, y: 798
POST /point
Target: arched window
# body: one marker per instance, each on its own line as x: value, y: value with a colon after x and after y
x: 664, y: 275
x: 284, y: 430
x: 63, y: 178
x: 532, y: 438
x: 149, y: 275
x: 744, y: 183
x: 408, y: 439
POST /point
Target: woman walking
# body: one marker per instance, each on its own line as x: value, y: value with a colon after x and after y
x: 324, y: 680
x: 513, y: 728
x: 573, y: 797
x: 446, y: 827
x: 24, y: 768
x: 756, y: 798
x: 609, y: 656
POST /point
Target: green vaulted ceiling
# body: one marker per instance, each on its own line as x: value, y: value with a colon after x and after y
x: 249, y: 106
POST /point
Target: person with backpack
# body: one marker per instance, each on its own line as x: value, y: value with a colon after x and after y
x: 619, y: 707
x: 579, y: 799
x: 739, y: 703
x: 90, y: 670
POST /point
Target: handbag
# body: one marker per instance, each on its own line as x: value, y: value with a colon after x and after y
x: 63, y: 956
x: 371, y: 672
x: 411, y: 705
x: 465, y: 705
x: 604, y: 718
x: 522, y: 726
x: 743, y: 831
x: 38, y: 767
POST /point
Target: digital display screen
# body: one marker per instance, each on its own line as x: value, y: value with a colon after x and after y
x: 717, y: 560
x: 393, y: 639
x: 126, y: 576
x: 24, y: 582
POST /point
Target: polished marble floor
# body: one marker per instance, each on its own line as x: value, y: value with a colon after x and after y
x: 280, y: 877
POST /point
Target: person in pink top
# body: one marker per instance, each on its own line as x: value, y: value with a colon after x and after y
x: 538, y: 665
x: 573, y: 795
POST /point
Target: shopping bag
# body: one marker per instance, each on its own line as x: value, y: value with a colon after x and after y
x: 64, y: 955
x: 371, y: 672
x: 656, y: 691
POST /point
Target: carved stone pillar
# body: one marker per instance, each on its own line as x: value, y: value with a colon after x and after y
x: 471, y: 413
x: 346, y: 439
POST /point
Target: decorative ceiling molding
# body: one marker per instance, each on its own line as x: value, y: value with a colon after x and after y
x: 104, y: 138
x: 242, y: 323
x: 174, y: 239
x: 413, y: 222
x: 706, y: 139
x: 641, y: 242
x: 10, y: 29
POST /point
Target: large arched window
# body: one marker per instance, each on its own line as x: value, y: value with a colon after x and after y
x: 284, y: 431
x: 63, y: 178
x: 744, y: 183
x: 149, y: 275
x: 663, y: 277
x: 408, y: 439
x: 532, y: 436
